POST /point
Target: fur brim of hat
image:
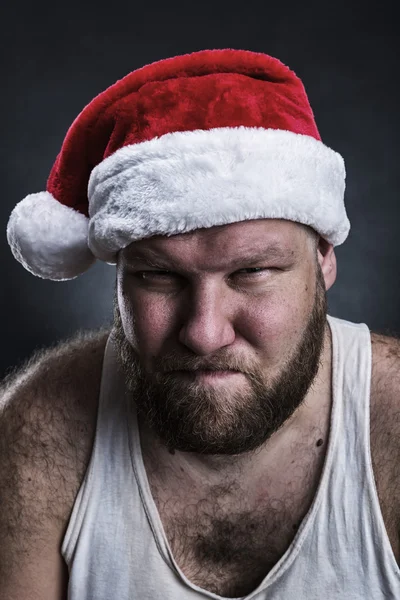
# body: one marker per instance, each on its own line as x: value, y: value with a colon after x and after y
x: 189, y: 180
x: 180, y: 182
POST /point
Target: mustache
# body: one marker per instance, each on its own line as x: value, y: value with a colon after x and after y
x: 172, y: 362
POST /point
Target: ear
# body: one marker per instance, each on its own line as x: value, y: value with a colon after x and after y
x: 327, y: 261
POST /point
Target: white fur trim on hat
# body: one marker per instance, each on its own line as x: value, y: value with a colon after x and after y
x: 48, y: 238
x: 188, y: 180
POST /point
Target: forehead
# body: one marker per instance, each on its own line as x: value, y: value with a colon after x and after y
x: 214, y: 245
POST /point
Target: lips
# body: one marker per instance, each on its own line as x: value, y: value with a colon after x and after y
x: 208, y: 373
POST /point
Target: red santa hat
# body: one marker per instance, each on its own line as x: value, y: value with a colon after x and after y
x: 194, y: 141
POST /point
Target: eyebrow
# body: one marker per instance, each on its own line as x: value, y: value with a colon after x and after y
x: 153, y: 259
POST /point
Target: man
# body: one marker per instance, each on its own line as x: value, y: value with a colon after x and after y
x: 227, y: 438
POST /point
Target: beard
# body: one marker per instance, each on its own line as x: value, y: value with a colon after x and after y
x: 191, y: 417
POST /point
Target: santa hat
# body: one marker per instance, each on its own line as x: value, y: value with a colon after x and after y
x: 199, y: 140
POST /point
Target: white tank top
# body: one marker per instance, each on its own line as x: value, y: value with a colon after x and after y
x: 115, y: 545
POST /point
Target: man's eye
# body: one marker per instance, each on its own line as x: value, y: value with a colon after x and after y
x: 159, y: 278
x: 253, y: 271
x: 167, y: 277
x: 154, y: 275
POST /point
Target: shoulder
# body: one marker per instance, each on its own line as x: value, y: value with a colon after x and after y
x: 385, y: 412
x: 61, y: 380
x: 385, y: 382
x: 60, y: 365
x: 48, y: 409
x: 385, y: 385
x: 385, y: 393
x: 56, y: 385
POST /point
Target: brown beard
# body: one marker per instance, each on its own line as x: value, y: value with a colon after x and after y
x: 192, y: 418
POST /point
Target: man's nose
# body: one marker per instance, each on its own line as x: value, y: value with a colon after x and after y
x: 207, y: 325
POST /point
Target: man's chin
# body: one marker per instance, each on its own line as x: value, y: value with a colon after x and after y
x: 212, y: 417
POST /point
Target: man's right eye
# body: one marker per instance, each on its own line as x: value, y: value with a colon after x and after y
x: 157, y: 277
x: 153, y: 274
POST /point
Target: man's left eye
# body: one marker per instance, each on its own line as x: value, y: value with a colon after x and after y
x: 252, y: 270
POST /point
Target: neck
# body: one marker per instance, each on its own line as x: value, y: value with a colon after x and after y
x: 200, y: 471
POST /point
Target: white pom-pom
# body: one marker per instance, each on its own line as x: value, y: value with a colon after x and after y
x: 48, y: 238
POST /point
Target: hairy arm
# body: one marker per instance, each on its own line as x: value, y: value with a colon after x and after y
x: 47, y: 418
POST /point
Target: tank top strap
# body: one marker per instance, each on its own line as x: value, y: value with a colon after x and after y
x: 110, y: 459
x: 351, y: 381
x: 351, y: 358
x: 351, y: 491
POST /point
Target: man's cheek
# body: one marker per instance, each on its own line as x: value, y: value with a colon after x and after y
x: 278, y: 327
x: 151, y: 328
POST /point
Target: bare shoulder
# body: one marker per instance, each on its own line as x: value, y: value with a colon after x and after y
x: 385, y: 384
x: 385, y: 395
x: 48, y: 409
x: 385, y: 425
x: 50, y: 401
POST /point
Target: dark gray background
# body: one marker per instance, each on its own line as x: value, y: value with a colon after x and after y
x: 58, y: 57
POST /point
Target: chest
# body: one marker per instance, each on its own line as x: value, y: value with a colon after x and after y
x: 230, y: 554
x: 227, y: 545
x: 225, y: 542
